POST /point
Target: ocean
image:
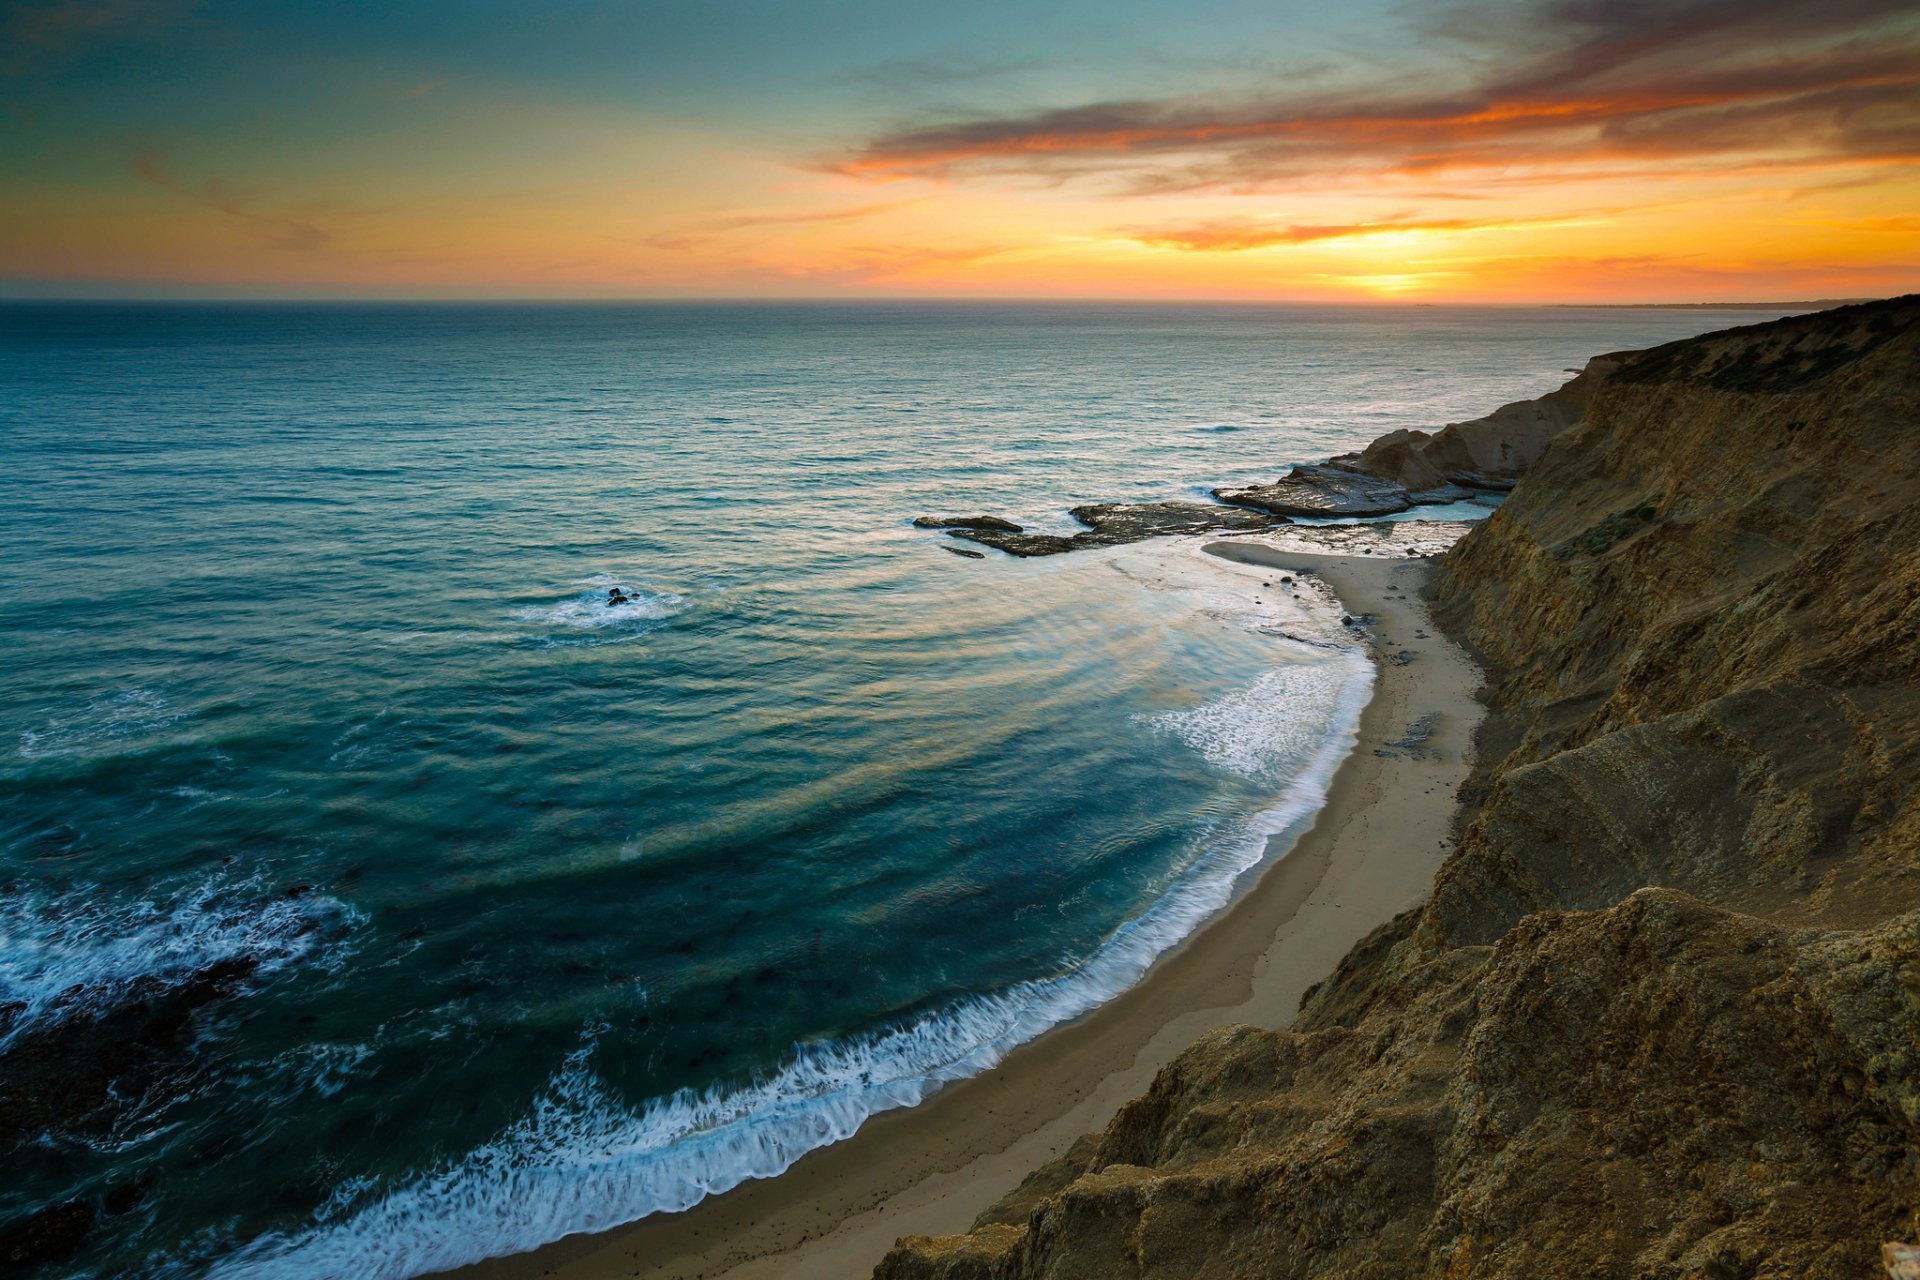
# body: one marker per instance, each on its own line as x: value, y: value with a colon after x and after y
x: 383, y: 899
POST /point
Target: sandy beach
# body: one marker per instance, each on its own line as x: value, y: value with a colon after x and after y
x: 1371, y: 853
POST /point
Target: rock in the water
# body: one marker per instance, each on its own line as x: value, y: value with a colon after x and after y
x: 1112, y: 523
x: 971, y: 555
x: 97, y: 1048
x: 1023, y: 545
x: 1323, y: 491
x: 1115, y: 522
x: 994, y: 523
x: 52, y: 1235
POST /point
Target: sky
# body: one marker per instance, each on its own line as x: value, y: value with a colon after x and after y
x: 1503, y: 151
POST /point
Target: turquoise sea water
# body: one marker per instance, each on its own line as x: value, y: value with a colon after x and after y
x: 556, y: 914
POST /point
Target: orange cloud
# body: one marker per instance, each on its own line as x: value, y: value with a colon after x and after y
x: 1627, y: 82
x: 700, y: 231
x: 1233, y: 235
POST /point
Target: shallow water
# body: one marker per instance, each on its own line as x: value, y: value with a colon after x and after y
x: 565, y: 913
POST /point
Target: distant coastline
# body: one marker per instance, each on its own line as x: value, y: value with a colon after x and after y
x: 1818, y: 304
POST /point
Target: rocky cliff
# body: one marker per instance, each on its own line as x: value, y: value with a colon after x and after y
x: 1661, y: 1015
x: 1491, y: 452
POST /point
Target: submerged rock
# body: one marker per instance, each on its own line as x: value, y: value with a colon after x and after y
x: 54, y: 1234
x: 99, y: 1049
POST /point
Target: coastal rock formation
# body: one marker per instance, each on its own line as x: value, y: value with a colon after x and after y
x: 966, y: 522
x: 1484, y: 453
x: 1110, y: 524
x: 1395, y: 473
x: 1321, y: 490
x: 1661, y: 1015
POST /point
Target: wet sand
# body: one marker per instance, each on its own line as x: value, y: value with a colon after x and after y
x: 1370, y: 854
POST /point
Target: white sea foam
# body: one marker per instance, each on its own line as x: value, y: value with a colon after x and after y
x: 78, y: 952
x: 588, y: 611
x: 107, y: 725
x: 1264, y: 730
x: 584, y: 1160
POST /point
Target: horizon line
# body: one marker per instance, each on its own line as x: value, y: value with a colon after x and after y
x: 863, y: 299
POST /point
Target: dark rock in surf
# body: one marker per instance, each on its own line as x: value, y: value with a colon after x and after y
x: 54, y: 1234
x: 1323, y: 491
x: 1111, y: 524
x: 993, y: 523
x: 97, y: 1047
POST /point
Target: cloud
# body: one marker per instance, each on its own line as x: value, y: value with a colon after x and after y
x: 1237, y: 235
x: 1567, y: 87
x: 705, y: 229
x: 281, y: 231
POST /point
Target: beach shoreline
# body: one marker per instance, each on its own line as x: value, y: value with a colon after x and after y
x: 1370, y: 853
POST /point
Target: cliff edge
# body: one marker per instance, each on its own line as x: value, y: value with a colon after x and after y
x: 1661, y: 1015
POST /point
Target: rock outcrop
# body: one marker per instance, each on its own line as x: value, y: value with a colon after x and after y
x: 1321, y: 490
x: 994, y: 523
x: 1395, y: 473
x: 1484, y: 453
x: 1110, y: 524
x: 1661, y: 1015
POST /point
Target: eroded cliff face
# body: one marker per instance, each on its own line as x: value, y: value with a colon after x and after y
x: 1661, y: 1016
x: 1489, y: 452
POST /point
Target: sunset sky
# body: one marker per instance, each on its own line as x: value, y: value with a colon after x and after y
x: 1489, y: 151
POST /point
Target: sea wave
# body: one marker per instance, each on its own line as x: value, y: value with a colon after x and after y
x: 585, y: 1160
x: 1242, y: 732
x: 80, y: 952
x: 108, y: 725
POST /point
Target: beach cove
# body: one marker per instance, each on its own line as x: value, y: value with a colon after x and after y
x: 1370, y: 854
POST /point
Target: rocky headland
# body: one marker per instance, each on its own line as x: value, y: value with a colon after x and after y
x: 1660, y: 1016
x: 1397, y: 472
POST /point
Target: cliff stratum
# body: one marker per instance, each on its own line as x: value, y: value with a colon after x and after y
x: 1661, y: 1014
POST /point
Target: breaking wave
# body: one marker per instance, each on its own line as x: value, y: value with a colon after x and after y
x: 78, y: 954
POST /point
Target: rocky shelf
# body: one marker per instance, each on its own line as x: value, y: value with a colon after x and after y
x: 1397, y: 472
